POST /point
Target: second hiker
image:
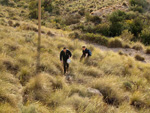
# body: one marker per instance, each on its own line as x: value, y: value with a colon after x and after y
x: 65, y: 54
x: 86, y: 53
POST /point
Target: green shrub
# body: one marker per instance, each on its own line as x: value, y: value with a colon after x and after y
x: 117, y: 16
x: 131, y: 15
x: 127, y: 86
x: 116, y: 28
x: 145, y: 36
x: 95, y: 38
x: 136, y: 26
x: 137, y: 8
x: 47, y: 4
x: 117, y: 25
x: 8, y: 2
x: 142, y: 3
x: 33, y: 8
x: 102, y: 29
x: 4, y: 2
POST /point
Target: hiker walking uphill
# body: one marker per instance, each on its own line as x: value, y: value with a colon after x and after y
x: 65, y: 55
x: 86, y: 53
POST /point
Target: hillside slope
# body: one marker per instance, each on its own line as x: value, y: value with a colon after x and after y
x: 106, y: 83
x: 123, y: 82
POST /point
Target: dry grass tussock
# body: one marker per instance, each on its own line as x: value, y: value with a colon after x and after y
x: 117, y: 77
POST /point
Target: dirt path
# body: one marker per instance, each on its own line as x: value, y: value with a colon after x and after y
x: 128, y: 51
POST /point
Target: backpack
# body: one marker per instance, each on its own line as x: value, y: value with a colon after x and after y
x: 90, y: 53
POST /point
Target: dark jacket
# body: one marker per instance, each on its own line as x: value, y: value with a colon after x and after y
x: 86, y: 51
x: 64, y: 56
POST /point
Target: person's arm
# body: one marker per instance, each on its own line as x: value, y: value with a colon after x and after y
x: 82, y: 56
x: 86, y: 53
x: 70, y: 54
x: 61, y: 55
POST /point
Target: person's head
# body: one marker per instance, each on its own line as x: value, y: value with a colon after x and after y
x: 83, y: 47
x: 64, y: 49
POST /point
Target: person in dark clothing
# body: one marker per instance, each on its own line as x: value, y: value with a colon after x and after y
x: 86, y: 53
x: 65, y: 54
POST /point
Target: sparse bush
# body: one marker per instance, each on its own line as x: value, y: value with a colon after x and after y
x: 24, y: 75
x: 74, y: 35
x: 94, y: 19
x: 72, y: 19
x: 76, y: 54
x: 148, y: 50
x: 95, y: 38
x: 109, y: 95
x: 88, y: 28
x: 138, y: 46
x: 82, y: 12
x: 91, y: 71
x: 126, y: 36
x: 139, y: 57
x: 115, y: 43
x: 127, y: 45
x: 35, y: 108
x: 39, y: 88
x: 7, y: 108
x: 80, y: 90
x: 137, y: 100
x: 146, y: 74
x: 127, y: 86
x: 120, y: 53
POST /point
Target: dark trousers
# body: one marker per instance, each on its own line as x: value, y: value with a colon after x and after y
x: 66, y: 67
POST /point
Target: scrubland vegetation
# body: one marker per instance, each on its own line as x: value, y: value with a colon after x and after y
x: 123, y: 82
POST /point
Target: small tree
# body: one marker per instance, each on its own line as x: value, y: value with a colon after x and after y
x: 136, y: 26
x: 145, y: 36
x: 116, y: 19
x: 4, y: 2
x: 117, y: 16
x: 33, y: 8
x: 142, y: 3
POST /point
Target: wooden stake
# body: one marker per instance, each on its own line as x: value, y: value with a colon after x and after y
x: 39, y: 37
